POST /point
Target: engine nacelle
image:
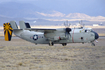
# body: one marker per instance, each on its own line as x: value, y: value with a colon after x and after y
x: 63, y: 37
x: 64, y: 29
x: 57, y: 38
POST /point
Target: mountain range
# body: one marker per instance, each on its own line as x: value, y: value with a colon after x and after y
x: 32, y: 13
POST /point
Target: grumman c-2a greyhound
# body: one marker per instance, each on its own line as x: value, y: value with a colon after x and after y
x: 50, y: 36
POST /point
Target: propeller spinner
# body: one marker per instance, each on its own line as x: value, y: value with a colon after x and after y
x: 68, y: 30
x: 67, y: 25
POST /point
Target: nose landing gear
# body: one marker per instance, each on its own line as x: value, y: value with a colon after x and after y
x: 93, y: 44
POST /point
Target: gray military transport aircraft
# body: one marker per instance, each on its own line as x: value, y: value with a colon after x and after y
x: 50, y: 36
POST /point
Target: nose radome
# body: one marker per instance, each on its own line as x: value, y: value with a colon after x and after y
x: 96, y: 35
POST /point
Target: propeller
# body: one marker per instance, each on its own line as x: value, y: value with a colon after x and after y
x: 81, y: 24
x: 67, y: 29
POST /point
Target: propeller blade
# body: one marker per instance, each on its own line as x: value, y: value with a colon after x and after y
x: 66, y: 24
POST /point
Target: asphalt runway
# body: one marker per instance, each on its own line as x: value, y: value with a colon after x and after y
x: 22, y: 55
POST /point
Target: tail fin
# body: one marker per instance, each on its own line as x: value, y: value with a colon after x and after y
x: 8, y: 29
x: 24, y: 25
x: 13, y: 25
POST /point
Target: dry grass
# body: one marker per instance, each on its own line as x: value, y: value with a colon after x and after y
x: 22, y: 55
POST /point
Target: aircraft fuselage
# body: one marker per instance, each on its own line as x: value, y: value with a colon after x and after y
x: 76, y: 36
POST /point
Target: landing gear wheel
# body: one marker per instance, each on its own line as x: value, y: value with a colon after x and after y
x: 64, y: 44
x: 93, y: 44
x: 51, y: 43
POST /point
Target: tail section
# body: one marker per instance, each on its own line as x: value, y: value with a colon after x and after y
x: 24, y: 25
x: 13, y: 25
x: 8, y: 29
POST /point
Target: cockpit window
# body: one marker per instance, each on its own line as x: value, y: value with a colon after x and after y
x: 91, y: 30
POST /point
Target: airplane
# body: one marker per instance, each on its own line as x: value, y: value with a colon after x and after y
x: 49, y: 36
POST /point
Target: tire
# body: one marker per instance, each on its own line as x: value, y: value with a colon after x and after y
x: 51, y: 44
x: 64, y: 44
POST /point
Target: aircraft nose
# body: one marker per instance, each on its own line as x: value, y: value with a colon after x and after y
x: 96, y: 35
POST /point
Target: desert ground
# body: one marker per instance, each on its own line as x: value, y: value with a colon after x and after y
x: 22, y: 55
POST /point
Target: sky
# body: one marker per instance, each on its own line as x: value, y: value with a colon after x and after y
x: 89, y: 7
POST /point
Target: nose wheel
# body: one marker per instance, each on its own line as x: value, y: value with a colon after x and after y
x: 93, y: 44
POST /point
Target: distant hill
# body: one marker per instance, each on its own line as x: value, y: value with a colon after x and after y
x: 38, y: 16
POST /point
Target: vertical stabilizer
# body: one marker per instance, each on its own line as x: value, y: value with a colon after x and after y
x: 13, y: 25
x: 8, y: 29
x: 27, y: 25
x: 24, y: 25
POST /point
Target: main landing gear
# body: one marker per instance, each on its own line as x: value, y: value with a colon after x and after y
x: 64, y: 44
x: 51, y: 43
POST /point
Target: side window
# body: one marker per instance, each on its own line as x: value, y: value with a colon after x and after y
x: 81, y: 38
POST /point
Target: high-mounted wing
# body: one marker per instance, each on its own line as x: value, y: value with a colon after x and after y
x: 51, y: 34
x: 41, y: 30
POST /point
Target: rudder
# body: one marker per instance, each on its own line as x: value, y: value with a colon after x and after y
x: 24, y: 25
x: 13, y: 25
x: 7, y: 31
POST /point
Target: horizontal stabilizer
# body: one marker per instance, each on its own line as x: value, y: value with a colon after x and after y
x: 24, y: 25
